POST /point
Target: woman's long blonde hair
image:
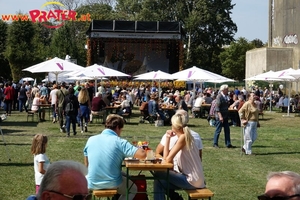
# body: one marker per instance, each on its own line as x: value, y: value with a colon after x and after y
x: 83, y: 96
x: 178, y: 122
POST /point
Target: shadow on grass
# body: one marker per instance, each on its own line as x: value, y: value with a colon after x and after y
x: 10, y: 131
x: 19, y: 123
x: 17, y: 144
x: 16, y: 164
x: 277, y: 153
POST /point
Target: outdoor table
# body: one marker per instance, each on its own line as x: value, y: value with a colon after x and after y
x: 110, y: 109
x: 205, y: 107
x: 147, y: 166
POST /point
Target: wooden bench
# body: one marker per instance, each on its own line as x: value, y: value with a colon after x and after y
x: 31, y: 114
x: 98, y: 117
x: 126, y: 116
x: 104, y: 193
x: 199, y: 193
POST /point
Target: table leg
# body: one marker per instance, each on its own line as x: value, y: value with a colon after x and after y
x: 168, y: 191
x: 127, y: 183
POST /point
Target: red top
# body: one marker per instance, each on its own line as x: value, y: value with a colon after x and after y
x: 9, y: 93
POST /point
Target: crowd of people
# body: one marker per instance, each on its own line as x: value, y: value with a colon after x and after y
x: 75, y: 105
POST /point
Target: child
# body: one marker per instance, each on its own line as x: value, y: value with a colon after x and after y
x: 41, y: 161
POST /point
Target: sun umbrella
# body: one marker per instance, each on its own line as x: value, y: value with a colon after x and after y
x: 269, y: 77
x: 26, y: 79
x: 196, y: 74
x: 154, y: 75
x: 295, y: 73
x: 98, y: 72
x: 284, y: 75
x: 55, y: 66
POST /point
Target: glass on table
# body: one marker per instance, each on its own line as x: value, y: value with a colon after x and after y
x: 134, y: 141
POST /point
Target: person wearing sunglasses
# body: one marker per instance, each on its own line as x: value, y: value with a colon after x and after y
x: 283, y: 185
x: 64, y: 180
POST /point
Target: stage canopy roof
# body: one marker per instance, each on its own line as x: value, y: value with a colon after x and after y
x: 135, y: 29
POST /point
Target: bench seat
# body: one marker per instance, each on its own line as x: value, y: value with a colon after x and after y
x: 104, y: 193
x: 199, y: 193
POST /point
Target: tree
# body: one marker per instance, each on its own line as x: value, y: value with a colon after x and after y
x: 5, y: 69
x: 20, y: 48
x: 63, y: 42
x: 233, y: 58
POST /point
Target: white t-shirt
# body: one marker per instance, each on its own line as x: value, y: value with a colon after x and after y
x: 53, y: 96
x: 174, y: 139
x: 37, y: 159
x: 198, y: 102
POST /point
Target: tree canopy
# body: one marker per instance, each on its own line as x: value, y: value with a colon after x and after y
x: 207, y: 27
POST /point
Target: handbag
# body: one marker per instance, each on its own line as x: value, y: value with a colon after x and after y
x: 159, y: 122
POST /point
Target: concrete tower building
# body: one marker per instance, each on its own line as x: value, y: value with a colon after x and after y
x: 283, y: 49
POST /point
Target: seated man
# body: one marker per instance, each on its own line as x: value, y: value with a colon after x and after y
x: 98, y: 107
x: 197, y: 105
x: 63, y: 180
x: 282, y: 185
x: 104, y: 164
x: 153, y: 108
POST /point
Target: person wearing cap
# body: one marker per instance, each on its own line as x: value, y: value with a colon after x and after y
x: 249, y: 119
x: 221, y: 116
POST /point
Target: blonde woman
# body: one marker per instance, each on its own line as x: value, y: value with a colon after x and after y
x: 37, y: 101
x: 188, y: 170
x: 85, y: 108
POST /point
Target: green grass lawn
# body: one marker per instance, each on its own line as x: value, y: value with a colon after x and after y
x: 228, y: 174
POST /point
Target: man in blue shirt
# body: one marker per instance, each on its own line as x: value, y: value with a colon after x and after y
x: 104, y: 154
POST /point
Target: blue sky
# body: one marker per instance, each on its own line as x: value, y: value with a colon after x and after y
x: 251, y: 16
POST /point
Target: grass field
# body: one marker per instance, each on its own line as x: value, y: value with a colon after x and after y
x: 228, y: 174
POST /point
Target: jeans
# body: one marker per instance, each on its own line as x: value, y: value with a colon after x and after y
x: 60, y: 112
x: 53, y: 111
x: 176, y: 181
x: 8, y: 103
x: 22, y: 102
x: 250, y: 135
x: 218, y: 130
x: 71, y: 120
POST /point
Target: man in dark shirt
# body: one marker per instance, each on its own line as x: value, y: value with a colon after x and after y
x: 221, y: 115
x: 72, y: 114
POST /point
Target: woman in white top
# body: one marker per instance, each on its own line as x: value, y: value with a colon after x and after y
x: 37, y: 101
x: 188, y: 172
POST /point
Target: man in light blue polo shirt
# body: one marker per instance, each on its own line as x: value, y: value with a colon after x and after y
x: 104, y: 154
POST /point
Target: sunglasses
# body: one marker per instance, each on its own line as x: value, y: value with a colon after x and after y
x: 76, y: 196
x: 265, y: 197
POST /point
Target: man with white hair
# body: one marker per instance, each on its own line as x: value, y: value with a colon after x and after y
x: 282, y: 185
x: 221, y: 116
